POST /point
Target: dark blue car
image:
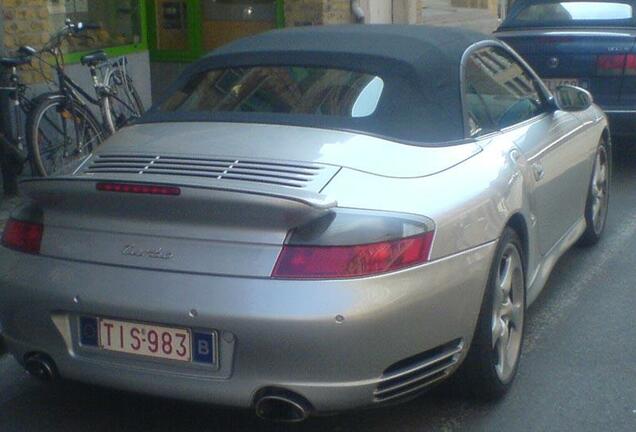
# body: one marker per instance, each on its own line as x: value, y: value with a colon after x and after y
x: 588, y: 43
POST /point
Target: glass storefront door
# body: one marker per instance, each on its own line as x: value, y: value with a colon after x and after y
x: 172, y: 25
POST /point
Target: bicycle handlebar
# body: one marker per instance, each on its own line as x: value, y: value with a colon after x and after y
x: 70, y: 29
x: 90, y: 26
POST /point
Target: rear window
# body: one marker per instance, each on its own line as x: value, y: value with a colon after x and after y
x: 572, y: 13
x: 279, y: 90
x: 386, y: 98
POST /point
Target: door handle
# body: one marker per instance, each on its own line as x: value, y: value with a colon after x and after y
x: 537, y: 170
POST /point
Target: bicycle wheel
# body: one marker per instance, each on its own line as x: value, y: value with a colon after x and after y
x: 61, y: 135
x: 123, y: 105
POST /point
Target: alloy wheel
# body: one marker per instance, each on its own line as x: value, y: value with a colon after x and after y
x: 508, y: 313
x: 599, y: 190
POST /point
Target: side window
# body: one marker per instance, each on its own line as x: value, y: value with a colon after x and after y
x: 499, y: 92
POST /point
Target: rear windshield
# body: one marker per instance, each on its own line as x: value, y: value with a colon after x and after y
x: 572, y: 14
x: 279, y: 90
x: 384, y: 100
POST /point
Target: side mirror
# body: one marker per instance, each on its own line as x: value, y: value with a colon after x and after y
x: 572, y: 98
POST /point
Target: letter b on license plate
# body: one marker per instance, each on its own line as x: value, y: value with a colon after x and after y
x: 203, y: 348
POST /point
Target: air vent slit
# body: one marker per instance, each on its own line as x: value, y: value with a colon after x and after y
x: 296, y: 175
x: 418, y: 372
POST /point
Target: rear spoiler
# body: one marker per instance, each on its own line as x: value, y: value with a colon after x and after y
x: 40, y: 189
x: 227, y: 202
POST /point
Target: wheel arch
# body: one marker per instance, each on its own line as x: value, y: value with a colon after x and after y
x: 518, y: 223
x: 606, y: 135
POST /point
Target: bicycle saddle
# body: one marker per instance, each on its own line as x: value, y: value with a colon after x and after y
x: 14, y: 61
x: 94, y: 58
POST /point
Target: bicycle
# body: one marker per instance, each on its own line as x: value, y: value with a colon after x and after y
x: 117, y: 97
x: 17, y: 96
x: 61, y: 130
x: 119, y: 111
x: 13, y: 155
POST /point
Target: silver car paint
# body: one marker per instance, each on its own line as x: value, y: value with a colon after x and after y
x: 285, y: 333
x: 280, y: 332
x: 289, y: 143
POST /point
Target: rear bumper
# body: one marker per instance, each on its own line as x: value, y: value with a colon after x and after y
x: 271, y: 332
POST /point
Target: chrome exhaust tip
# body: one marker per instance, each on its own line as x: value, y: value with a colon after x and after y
x: 282, y: 406
x: 40, y: 366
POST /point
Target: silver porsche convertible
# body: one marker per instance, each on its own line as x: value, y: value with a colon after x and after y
x: 311, y: 220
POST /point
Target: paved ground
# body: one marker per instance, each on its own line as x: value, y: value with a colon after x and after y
x: 6, y: 205
x: 441, y: 13
x: 578, y: 370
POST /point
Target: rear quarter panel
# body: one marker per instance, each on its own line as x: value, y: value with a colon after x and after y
x: 469, y: 203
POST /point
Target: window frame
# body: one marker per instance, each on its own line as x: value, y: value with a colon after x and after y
x: 546, y: 97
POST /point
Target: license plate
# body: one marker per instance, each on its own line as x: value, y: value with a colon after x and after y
x: 553, y: 83
x: 149, y: 340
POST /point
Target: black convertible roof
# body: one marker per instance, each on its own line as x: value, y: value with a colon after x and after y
x: 402, y: 43
x: 425, y: 108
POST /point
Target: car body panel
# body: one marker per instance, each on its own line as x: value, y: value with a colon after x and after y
x: 576, y: 52
x: 572, y: 53
x: 274, y: 342
x: 292, y: 143
x: 204, y: 259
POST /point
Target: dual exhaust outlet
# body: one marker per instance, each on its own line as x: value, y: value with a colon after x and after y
x: 283, y: 406
x: 271, y: 404
x: 40, y: 366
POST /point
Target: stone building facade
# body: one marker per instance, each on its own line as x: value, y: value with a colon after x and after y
x: 24, y: 22
x: 324, y: 12
x: 30, y: 22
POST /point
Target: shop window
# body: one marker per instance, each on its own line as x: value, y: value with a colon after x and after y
x: 227, y: 20
x: 184, y: 30
x: 120, y: 22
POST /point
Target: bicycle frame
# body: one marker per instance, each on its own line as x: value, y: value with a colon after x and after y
x: 19, y: 102
x: 118, y: 64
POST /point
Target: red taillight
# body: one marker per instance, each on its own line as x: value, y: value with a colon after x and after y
x: 334, y: 262
x: 630, y: 64
x: 23, y: 236
x: 138, y: 188
x: 615, y: 64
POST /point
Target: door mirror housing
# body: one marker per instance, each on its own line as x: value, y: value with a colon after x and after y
x: 572, y: 99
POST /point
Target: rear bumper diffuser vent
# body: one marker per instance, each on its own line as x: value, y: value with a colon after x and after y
x: 413, y: 374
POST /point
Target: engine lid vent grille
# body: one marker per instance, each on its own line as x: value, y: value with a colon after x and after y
x: 290, y: 174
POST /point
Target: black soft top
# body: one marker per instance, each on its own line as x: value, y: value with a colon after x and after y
x: 420, y: 64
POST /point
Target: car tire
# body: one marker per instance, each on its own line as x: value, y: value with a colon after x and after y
x: 493, y: 358
x: 597, y: 202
